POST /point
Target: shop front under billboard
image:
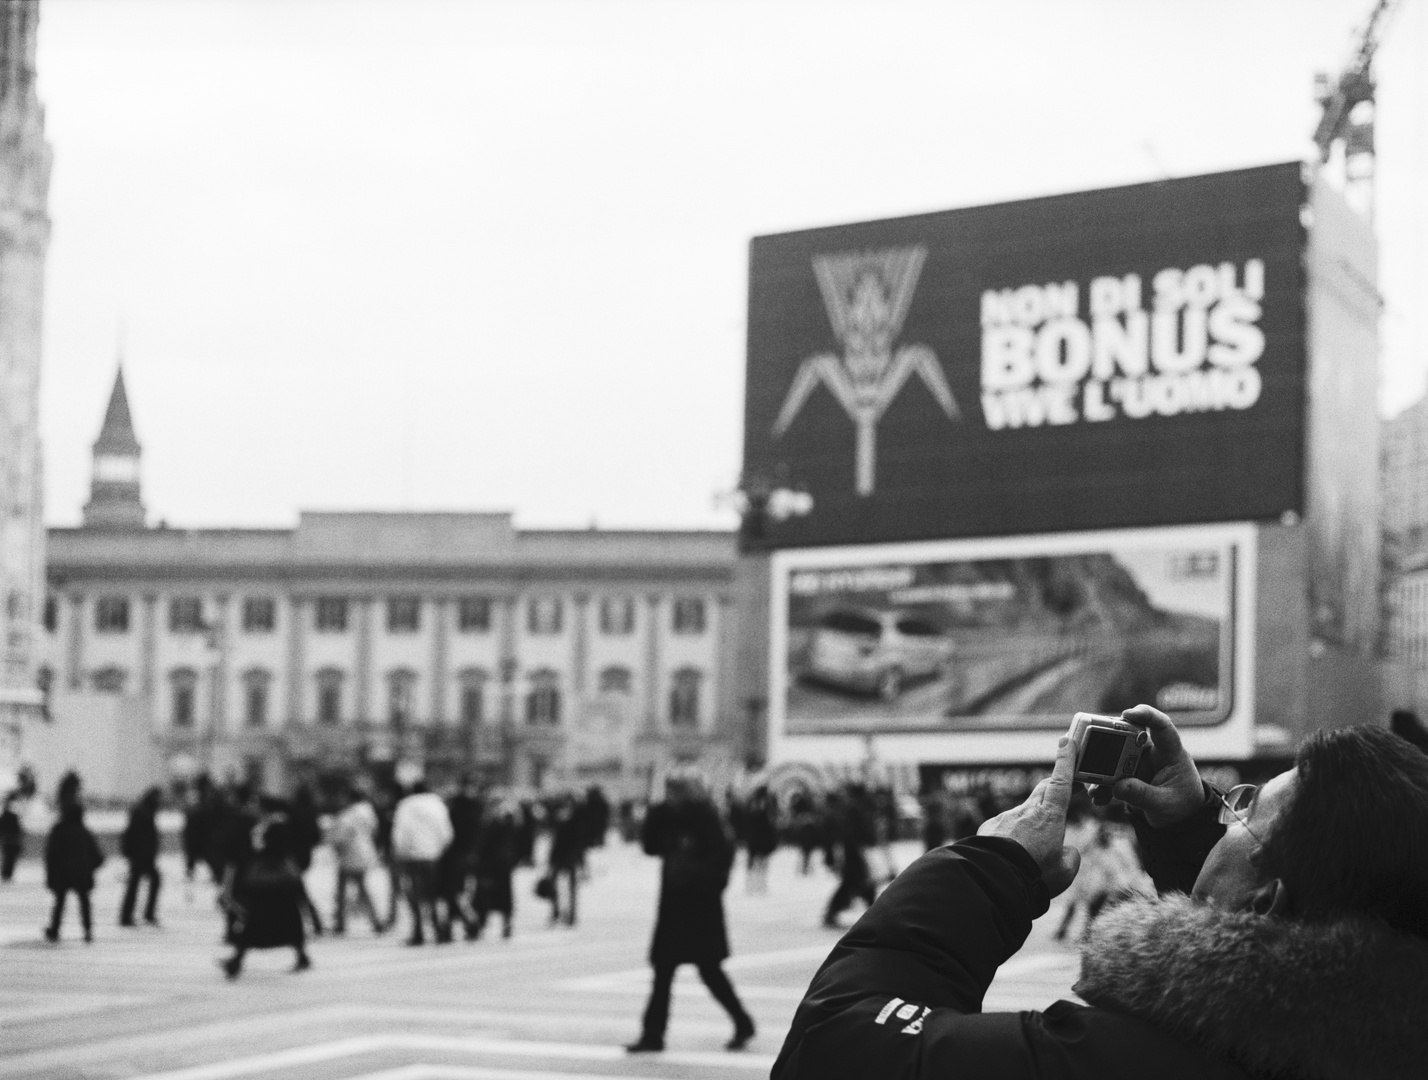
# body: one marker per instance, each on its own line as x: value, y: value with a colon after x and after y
x: 1012, y: 635
x: 1119, y: 358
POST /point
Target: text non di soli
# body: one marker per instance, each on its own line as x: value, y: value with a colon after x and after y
x: 1191, y: 345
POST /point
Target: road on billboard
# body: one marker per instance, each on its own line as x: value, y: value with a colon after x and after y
x: 547, y: 1004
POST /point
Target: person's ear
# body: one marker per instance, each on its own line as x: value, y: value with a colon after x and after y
x: 1271, y: 898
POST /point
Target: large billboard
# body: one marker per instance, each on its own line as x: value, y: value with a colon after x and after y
x: 991, y: 637
x: 1118, y: 358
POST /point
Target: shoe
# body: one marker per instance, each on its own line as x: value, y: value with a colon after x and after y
x: 506, y: 930
x: 414, y: 941
x: 51, y: 934
x: 231, y: 967
x: 152, y: 920
x: 741, y: 1038
x: 831, y: 923
x: 303, y: 963
x: 645, y: 1045
x: 126, y: 922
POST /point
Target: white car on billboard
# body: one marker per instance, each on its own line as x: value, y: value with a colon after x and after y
x: 875, y: 651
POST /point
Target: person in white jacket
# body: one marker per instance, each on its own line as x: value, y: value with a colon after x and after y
x: 421, y: 831
x: 353, y: 840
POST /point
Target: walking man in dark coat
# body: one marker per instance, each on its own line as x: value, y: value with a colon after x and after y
x: 853, y: 831
x: 72, y: 856
x: 687, y: 832
x: 140, y: 847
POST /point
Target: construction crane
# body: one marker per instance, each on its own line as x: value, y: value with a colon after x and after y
x: 1347, y: 105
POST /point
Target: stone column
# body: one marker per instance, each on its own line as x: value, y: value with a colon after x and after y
x: 580, y: 645
x: 149, y: 647
x: 223, y: 639
x: 74, y: 677
x: 297, y: 630
x: 654, y: 627
x: 362, y: 663
x: 440, y: 659
x: 509, y: 663
x: 722, y: 725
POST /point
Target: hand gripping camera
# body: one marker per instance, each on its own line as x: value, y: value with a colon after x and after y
x: 1107, y: 748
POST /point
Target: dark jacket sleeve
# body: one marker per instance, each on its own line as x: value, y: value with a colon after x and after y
x: 925, y: 952
x: 1173, y: 857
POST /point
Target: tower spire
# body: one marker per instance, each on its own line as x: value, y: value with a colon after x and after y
x: 114, y: 501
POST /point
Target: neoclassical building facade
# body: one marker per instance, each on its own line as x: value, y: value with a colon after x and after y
x: 455, y: 640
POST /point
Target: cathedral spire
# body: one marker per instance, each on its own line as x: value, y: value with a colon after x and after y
x: 114, y: 501
x: 117, y: 434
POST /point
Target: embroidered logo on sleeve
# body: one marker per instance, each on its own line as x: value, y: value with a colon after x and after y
x: 914, y: 1028
x: 904, y: 1010
x: 887, y: 1011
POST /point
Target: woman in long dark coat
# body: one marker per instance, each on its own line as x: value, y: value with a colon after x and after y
x: 269, y: 900
x: 687, y: 832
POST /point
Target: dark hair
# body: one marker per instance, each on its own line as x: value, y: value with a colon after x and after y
x: 1354, y: 838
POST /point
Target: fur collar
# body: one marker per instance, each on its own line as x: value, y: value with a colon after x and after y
x: 1280, y: 998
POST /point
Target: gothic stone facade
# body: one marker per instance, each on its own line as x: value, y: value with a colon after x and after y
x: 24, y: 238
x: 534, y: 658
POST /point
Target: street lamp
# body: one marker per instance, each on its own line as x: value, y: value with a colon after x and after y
x: 758, y: 500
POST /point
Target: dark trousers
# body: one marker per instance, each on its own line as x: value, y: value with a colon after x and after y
x: 9, y: 856
x: 565, y: 886
x: 139, y: 872
x: 357, y: 878
x: 712, y: 974
x: 854, y: 886
x: 57, y: 915
x: 420, y: 880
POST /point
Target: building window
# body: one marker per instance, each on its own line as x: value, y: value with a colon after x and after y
x: 329, y: 696
x: 616, y: 680
x: 544, y: 615
x: 260, y: 614
x: 401, y: 693
x: 617, y: 615
x: 473, y: 697
x: 51, y: 614
x: 256, y: 684
x: 473, y: 615
x: 543, y: 700
x: 332, y: 614
x: 684, y: 698
x: 109, y: 680
x: 183, y: 697
x: 186, y: 615
x: 111, y: 615
x: 403, y: 614
x: 689, y: 615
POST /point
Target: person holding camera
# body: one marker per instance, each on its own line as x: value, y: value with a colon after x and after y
x: 1290, y: 936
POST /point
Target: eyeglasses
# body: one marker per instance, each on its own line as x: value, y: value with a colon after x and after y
x: 1235, y: 804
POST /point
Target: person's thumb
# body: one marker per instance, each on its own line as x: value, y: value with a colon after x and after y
x: 1061, y: 871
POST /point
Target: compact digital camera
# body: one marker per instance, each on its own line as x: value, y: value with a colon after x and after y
x: 1107, y: 748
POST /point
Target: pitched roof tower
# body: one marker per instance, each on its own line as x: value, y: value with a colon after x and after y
x: 114, y: 501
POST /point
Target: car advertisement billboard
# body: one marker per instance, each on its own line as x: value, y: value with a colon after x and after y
x: 1119, y: 358
x: 1013, y: 635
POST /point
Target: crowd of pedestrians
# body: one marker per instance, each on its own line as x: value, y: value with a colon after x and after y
x: 447, y: 860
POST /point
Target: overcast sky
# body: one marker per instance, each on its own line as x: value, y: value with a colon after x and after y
x: 432, y: 254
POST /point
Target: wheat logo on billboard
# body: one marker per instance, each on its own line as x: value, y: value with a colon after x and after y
x: 867, y: 295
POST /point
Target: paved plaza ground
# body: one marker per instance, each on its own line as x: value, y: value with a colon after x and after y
x: 548, y: 1004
